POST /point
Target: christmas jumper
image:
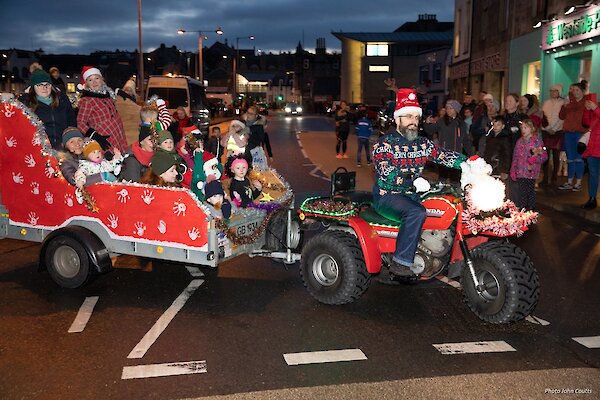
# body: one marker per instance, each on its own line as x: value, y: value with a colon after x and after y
x: 398, y: 161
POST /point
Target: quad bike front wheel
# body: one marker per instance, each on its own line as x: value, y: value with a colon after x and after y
x: 333, y: 268
x: 509, y: 285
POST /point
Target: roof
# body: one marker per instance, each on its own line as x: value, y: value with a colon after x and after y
x: 396, y: 37
x: 258, y: 76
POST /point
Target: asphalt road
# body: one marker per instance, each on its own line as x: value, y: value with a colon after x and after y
x: 237, y: 324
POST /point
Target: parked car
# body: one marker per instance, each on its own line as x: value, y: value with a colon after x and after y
x: 292, y: 109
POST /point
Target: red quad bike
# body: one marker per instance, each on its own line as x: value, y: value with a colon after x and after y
x: 499, y: 281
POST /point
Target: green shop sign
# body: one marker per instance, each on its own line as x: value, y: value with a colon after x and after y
x: 580, y: 26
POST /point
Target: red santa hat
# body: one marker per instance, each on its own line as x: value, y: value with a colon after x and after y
x: 407, y: 103
x: 88, y: 71
x: 193, y: 130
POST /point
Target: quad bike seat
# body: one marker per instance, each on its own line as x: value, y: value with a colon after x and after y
x: 371, y: 216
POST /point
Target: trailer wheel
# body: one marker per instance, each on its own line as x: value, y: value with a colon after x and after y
x: 510, y: 284
x: 333, y: 268
x: 276, y: 237
x: 67, y: 262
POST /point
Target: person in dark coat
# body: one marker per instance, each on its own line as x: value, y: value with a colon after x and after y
x: 50, y: 105
x: 495, y: 148
x: 57, y: 81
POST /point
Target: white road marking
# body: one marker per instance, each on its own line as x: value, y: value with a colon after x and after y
x: 449, y: 281
x: 194, y: 271
x: 161, y: 324
x: 168, y: 369
x: 84, y: 314
x: 316, y: 170
x: 536, y: 320
x: 303, y: 152
x: 318, y: 357
x: 591, y: 342
x: 474, y: 347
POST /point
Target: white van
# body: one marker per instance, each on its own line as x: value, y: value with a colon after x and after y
x: 182, y: 91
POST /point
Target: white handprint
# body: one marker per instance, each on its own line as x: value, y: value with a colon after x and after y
x: 11, y: 142
x: 49, y: 171
x: 49, y: 198
x: 35, y: 188
x: 179, y: 208
x: 140, y: 228
x: 18, y: 178
x: 36, y: 141
x: 8, y: 110
x: 194, y: 233
x: 113, y: 221
x: 162, y: 226
x: 30, y: 161
x: 69, y: 200
x: 33, y: 218
x: 147, y: 196
x: 123, y: 195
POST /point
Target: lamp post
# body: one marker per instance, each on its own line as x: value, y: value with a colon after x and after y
x: 9, y: 70
x: 201, y: 32
x: 236, y: 61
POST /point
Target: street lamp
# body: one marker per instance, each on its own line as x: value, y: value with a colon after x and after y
x: 9, y: 71
x: 236, y: 61
x: 201, y: 32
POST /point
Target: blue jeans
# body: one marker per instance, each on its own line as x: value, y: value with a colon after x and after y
x: 363, y: 142
x: 575, y: 162
x: 594, y: 175
x: 399, y: 207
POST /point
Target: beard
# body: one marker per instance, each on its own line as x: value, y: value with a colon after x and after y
x: 410, y: 132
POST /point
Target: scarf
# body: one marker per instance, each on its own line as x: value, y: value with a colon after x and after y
x: 46, y: 100
x: 144, y: 157
x: 103, y: 93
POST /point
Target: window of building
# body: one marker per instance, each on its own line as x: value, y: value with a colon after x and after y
x: 532, y: 78
x: 423, y: 74
x: 375, y: 49
x: 306, y: 64
x: 379, y: 68
x: 457, y: 32
x: 335, y: 65
x: 437, y: 73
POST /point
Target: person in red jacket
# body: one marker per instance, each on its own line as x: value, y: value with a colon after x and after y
x: 572, y: 114
x: 592, y: 153
x: 98, y: 118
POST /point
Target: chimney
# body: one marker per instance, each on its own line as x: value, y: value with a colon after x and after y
x: 320, y: 46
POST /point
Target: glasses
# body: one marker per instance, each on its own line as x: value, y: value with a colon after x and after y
x: 44, y: 85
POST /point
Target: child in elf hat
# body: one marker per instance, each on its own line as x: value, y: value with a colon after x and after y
x: 215, y: 196
x: 528, y: 156
x: 241, y: 190
x: 95, y: 163
x: 166, y: 145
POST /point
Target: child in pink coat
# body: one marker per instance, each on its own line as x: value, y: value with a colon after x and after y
x: 528, y: 156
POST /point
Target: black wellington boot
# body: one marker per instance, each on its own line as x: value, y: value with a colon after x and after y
x: 590, y: 205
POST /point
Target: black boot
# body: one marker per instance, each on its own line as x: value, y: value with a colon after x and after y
x: 590, y: 205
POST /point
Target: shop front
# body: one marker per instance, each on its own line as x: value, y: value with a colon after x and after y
x: 571, y: 51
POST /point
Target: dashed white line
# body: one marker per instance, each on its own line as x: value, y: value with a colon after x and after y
x: 303, y: 152
x: 167, y: 369
x: 84, y: 314
x: 194, y: 271
x: 536, y: 320
x: 591, y: 342
x: 161, y: 324
x: 474, y: 347
x: 318, y: 357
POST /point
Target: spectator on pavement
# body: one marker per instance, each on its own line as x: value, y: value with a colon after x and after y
x: 592, y: 154
x: 342, y: 129
x: 51, y: 106
x: 363, y: 133
x: 552, y: 133
x: 572, y: 114
x: 494, y: 147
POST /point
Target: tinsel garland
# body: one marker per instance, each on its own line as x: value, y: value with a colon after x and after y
x: 326, y: 206
x: 505, y: 221
x: 241, y: 240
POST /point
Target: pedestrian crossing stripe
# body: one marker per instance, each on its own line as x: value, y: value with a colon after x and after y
x: 167, y: 369
x: 591, y: 342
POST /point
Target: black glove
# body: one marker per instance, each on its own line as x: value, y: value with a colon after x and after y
x: 101, y: 139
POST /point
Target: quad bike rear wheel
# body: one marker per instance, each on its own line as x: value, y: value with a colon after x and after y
x: 333, y: 268
x: 509, y: 283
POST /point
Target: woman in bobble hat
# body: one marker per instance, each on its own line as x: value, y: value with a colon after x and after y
x: 98, y: 118
x: 51, y: 106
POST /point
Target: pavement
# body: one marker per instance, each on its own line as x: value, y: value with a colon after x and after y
x: 317, y: 144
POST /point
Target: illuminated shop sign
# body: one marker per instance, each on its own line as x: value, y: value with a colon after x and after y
x: 576, y: 27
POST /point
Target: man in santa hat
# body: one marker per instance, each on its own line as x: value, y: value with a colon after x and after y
x: 399, y: 158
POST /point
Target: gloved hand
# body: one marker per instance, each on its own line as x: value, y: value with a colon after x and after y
x: 531, y: 159
x: 101, y: 139
x: 421, y: 185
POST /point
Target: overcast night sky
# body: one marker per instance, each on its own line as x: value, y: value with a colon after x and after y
x: 81, y: 27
